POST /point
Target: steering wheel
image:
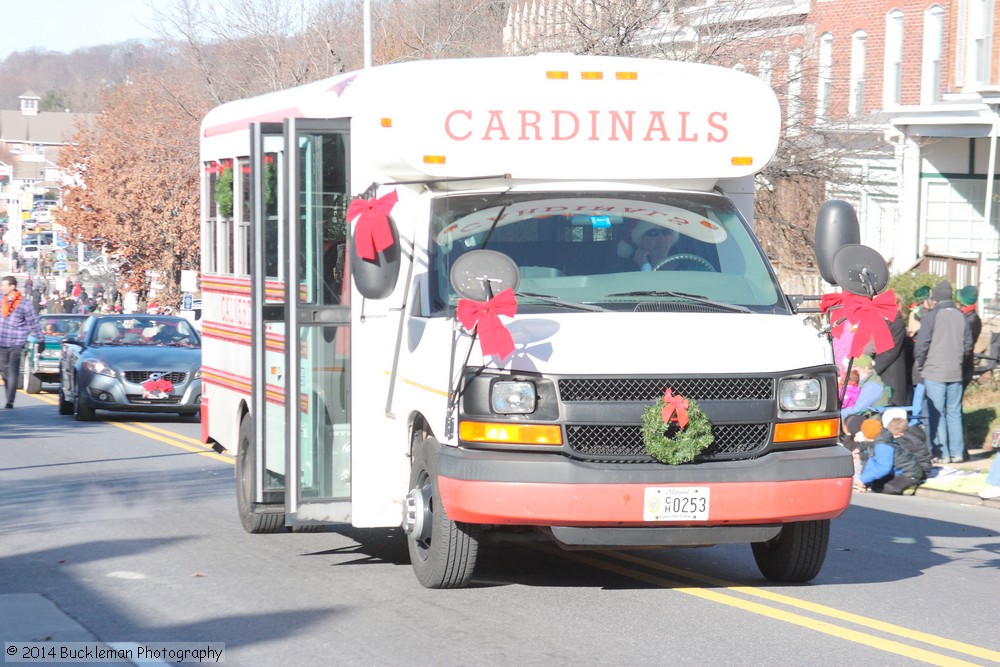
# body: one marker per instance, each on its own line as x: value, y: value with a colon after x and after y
x: 697, y: 259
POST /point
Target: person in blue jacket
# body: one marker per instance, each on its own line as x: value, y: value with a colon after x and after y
x: 885, y: 470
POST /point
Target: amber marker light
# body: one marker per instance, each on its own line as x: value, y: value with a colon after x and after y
x: 434, y: 159
x: 591, y: 76
x: 557, y: 75
x: 742, y: 161
x: 510, y: 434
x: 385, y: 122
x: 811, y: 430
x: 627, y: 76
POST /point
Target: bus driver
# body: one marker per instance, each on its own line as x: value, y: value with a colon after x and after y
x: 647, y: 244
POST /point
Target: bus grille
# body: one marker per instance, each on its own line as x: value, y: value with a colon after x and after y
x: 624, y: 444
x: 648, y: 390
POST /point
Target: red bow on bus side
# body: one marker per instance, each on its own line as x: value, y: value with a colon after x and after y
x: 484, y: 317
x: 675, y: 408
x: 372, y: 233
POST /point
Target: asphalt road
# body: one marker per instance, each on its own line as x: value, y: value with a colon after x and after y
x: 128, y: 527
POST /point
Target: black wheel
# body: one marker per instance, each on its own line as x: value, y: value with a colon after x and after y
x: 688, y: 257
x: 443, y: 552
x: 256, y: 518
x: 81, y: 412
x: 796, y: 554
x: 65, y: 407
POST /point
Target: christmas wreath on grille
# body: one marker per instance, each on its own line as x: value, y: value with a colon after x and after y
x: 675, y: 429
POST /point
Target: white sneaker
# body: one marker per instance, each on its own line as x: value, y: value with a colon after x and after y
x: 990, y: 492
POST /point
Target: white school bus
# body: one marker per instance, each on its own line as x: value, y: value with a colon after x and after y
x: 347, y: 221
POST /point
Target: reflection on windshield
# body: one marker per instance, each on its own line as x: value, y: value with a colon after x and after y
x: 613, y: 250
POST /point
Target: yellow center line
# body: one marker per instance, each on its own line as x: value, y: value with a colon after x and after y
x: 863, y: 638
x: 157, y: 429
x: 871, y: 623
x: 173, y: 443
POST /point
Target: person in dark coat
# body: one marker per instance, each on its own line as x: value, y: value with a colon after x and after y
x: 967, y: 298
x: 894, y: 365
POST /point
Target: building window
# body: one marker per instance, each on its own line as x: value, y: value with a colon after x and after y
x: 980, y: 42
x: 825, y: 80
x: 930, y: 78
x: 766, y: 66
x: 892, y: 77
x: 856, y: 101
x: 794, y: 111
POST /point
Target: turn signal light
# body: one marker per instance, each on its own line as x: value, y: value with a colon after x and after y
x: 510, y: 433
x: 810, y: 430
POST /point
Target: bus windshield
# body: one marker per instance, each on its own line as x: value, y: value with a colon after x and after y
x: 617, y: 250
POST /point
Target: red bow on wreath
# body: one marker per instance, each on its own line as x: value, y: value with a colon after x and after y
x: 484, y: 317
x: 870, y: 316
x: 372, y: 233
x: 675, y: 408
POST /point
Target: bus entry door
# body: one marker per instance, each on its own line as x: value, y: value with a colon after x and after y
x: 318, y: 360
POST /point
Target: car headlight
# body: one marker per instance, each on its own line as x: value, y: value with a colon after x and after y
x: 800, y: 394
x: 99, y: 367
x: 197, y: 374
x: 513, y: 398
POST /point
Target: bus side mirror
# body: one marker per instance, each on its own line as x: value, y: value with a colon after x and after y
x: 836, y: 226
x: 376, y: 279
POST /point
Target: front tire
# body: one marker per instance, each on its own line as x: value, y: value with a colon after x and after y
x: 443, y: 552
x: 65, y: 407
x: 32, y: 384
x: 81, y: 412
x: 256, y: 518
x: 796, y: 555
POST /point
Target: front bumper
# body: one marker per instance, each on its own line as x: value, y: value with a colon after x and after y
x: 531, y: 489
x: 106, y: 393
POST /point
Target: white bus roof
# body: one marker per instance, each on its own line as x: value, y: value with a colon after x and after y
x: 550, y: 116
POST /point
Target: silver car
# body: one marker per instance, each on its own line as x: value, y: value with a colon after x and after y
x: 131, y: 363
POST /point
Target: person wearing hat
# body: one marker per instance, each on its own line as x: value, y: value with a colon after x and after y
x: 967, y: 298
x: 647, y: 244
x: 888, y: 467
x: 918, y: 309
x: 943, y: 342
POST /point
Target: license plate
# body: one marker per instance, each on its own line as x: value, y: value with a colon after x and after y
x: 676, y: 503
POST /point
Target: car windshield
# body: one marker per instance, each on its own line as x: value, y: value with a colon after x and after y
x: 60, y: 326
x: 615, y: 250
x: 144, y: 331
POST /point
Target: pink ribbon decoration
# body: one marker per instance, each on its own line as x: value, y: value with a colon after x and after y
x: 372, y: 233
x: 675, y: 408
x: 484, y: 317
x: 871, y: 316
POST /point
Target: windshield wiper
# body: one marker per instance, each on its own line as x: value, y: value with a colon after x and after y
x: 698, y: 298
x: 555, y: 301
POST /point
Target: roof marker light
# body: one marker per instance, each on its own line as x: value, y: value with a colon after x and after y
x: 627, y: 76
x: 742, y: 161
x: 385, y: 122
x: 556, y: 75
x: 591, y: 76
x: 434, y: 159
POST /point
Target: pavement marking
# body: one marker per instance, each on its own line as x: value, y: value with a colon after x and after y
x: 890, y: 628
x: 863, y: 638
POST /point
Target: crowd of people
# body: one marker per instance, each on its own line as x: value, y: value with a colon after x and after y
x: 902, y: 407
x: 46, y: 298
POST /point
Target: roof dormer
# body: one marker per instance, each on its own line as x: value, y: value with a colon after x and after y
x: 29, y: 103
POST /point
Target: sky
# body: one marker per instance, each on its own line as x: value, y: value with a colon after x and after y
x: 66, y: 25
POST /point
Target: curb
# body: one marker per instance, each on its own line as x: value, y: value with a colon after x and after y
x: 961, y: 498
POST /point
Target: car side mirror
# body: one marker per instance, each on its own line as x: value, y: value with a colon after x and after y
x: 70, y: 340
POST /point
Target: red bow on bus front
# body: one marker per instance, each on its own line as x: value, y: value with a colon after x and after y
x: 870, y: 315
x: 484, y: 317
x: 372, y: 233
x: 675, y: 407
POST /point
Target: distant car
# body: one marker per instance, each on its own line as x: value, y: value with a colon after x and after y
x: 39, y: 367
x: 30, y: 252
x: 131, y: 363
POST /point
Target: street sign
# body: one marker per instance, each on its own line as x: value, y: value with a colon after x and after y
x: 61, y: 244
x: 61, y: 255
x: 60, y: 266
x: 188, y: 302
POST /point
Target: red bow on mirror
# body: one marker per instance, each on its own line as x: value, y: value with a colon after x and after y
x: 484, y: 317
x: 372, y: 233
x: 871, y: 316
x: 675, y: 408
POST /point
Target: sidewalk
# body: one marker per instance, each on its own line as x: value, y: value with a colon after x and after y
x: 961, y: 482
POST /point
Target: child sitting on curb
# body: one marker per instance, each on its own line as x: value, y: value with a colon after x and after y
x: 888, y: 467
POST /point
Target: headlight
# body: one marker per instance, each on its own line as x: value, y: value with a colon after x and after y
x: 513, y: 398
x: 197, y: 374
x: 99, y: 367
x: 800, y: 394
